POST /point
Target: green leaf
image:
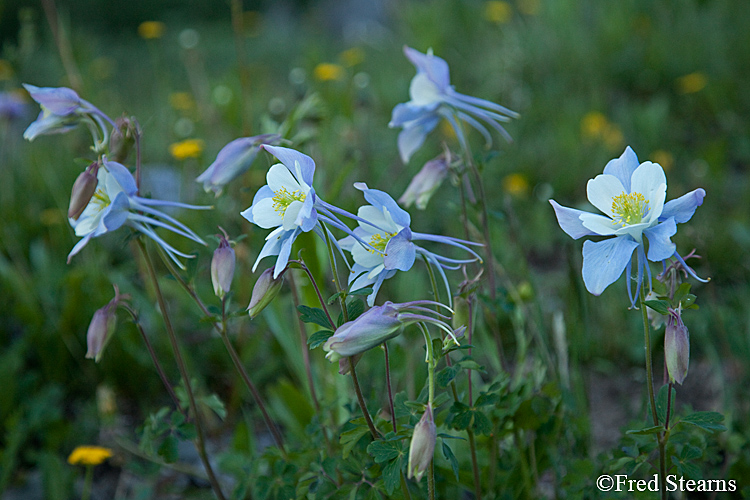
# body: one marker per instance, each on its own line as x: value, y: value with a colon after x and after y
x: 216, y: 404
x: 392, y: 474
x: 383, y: 451
x: 351, y: 437
x: 690, y: 453
x: 186, y: 431
x: 318, y: 338
x: 314, y: 315
x: 485, y: 399
x: 709, y: 421
x: 661, y: 403
x: 446, y: 375
x: 646, y: 430
x: 333, y: 298
x: 451, y: 458
x: 361, y: 291
x: 355, y: 308
x: 168, y: 449
x: 688, y: 301
x: 682, y: 291
x: 659, y: 306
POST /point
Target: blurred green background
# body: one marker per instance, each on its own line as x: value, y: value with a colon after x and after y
x: 588, y: 78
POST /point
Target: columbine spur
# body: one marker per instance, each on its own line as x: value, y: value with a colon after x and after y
x: 632, y: 197
x: 433, y: 98
x: 115, y: 203
x: 389, y: 244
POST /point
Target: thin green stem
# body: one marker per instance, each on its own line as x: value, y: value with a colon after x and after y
x: 430, y: 360
x: 304, y: 267
x: 388, y: 384
x: 200, y: 444
x: 88, y: 483
x: 303, y: 346
x: 249, y: 383
x: 334, y: 270
x: 152, y: 353
x: 652, y: 398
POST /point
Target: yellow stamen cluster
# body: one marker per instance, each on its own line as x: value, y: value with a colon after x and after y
x: 89, y: 455
x: 284, y: 198
x: 101, y: 198
x: 380, y: 241
x: 629, y: 208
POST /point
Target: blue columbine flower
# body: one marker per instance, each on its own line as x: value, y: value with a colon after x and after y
x: 62, y: 110
x: 384, y: 243
x: 632, y: 197
x: 233, y: 160
x: 115, y: 203
x: 433, y: 98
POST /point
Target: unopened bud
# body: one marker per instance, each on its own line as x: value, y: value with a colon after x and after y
x: 122, y: 139
x: 222, y: 267
x: 426, y: 182
x: 102, y: 327
x: 265, y: 290
x: 372, y: 328
x: 83, y: 190
x: 676, y: 347
x: 422, y: 446
x: 461, y: 312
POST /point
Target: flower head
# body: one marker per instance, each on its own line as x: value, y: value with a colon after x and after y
x: 422, y: 447
x: 676, y: 346
x: 381, y: 323
x: 89, y: 455
x: 115, y: 203
x: 426, y: 182
x: 384, y: 243
x: 433, y: 98
x: 233, y: 160
x: 632, y: 198
x: 189, y: 148
x: 286, y: 203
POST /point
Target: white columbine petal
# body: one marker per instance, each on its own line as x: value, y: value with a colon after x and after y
x: 602, y: 189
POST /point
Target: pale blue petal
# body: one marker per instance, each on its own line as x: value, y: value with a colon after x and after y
x: 61, y: 101
x: 264, y: 215
x: 400, y: 252
x: 382, y: 200
x: 413, y: 135
x: 604, y: 262
x: 261, y: 194
x: 623, y: 167
x: 660, y: 246
x: 284, y: 252
x: 308, y: 216
x: 289, y: 156
x: 117, y: 213
x: 570, y: 222
x: 599, y: 224
x: 122, y: 175
x: 433, y: 66
x: 683, y: 208
x: 79, y: 246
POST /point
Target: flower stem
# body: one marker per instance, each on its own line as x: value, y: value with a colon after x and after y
x: 249, y: 383
x: 88, y: 482
x: 200, y: 443
x: 332, y: 259
x: 303, y: 346
x: 151, y: 351
x: 361, y: 401
x: 652, y: 399
x: 317, y: 290
x: 430, y: 359
x: 388, y: 384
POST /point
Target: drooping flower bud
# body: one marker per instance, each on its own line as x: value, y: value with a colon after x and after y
x: 422, y: 447
x: 676, y: 346
x: 233, y: 160
x: 83, y: 190
x: 102, y: 327
x: 265, y: 290
x: 122, y: 139
x: 222, y: 266
x: 426, y: 182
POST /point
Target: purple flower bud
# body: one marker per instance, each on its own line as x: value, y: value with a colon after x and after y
x: 422, y: 446
x: 122, y: 138
x: 265, y: 290
x: 83, y: 190
x: 102, y: 327
x: 372, y: 328
x: 222, y: 267
x: 426, y: 182
x: 676, y: 347
x: 233, y: 160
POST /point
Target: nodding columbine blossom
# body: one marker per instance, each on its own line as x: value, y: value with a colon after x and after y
x: 433, y: 98
x: 422, y: 447
x: 381, y: 323
x: 233, y: 160
x: 676, y: 346
x: 384, y: 243
x: 632, y: 197
x: 62, y: 110
x: 115, y: 203
x: 427, y: 181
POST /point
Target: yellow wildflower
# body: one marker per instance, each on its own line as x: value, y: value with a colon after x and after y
x: 326, y: 72
x: 515, y: 184
x: 89, y: 455
x: 189, y: 148
x: 498, y: 12
x: 181, y: 101
x: 352, y: 57
x: 689, y: 84
x: 593, y: 124
x: 663, y: 158
x: 151, y: 29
